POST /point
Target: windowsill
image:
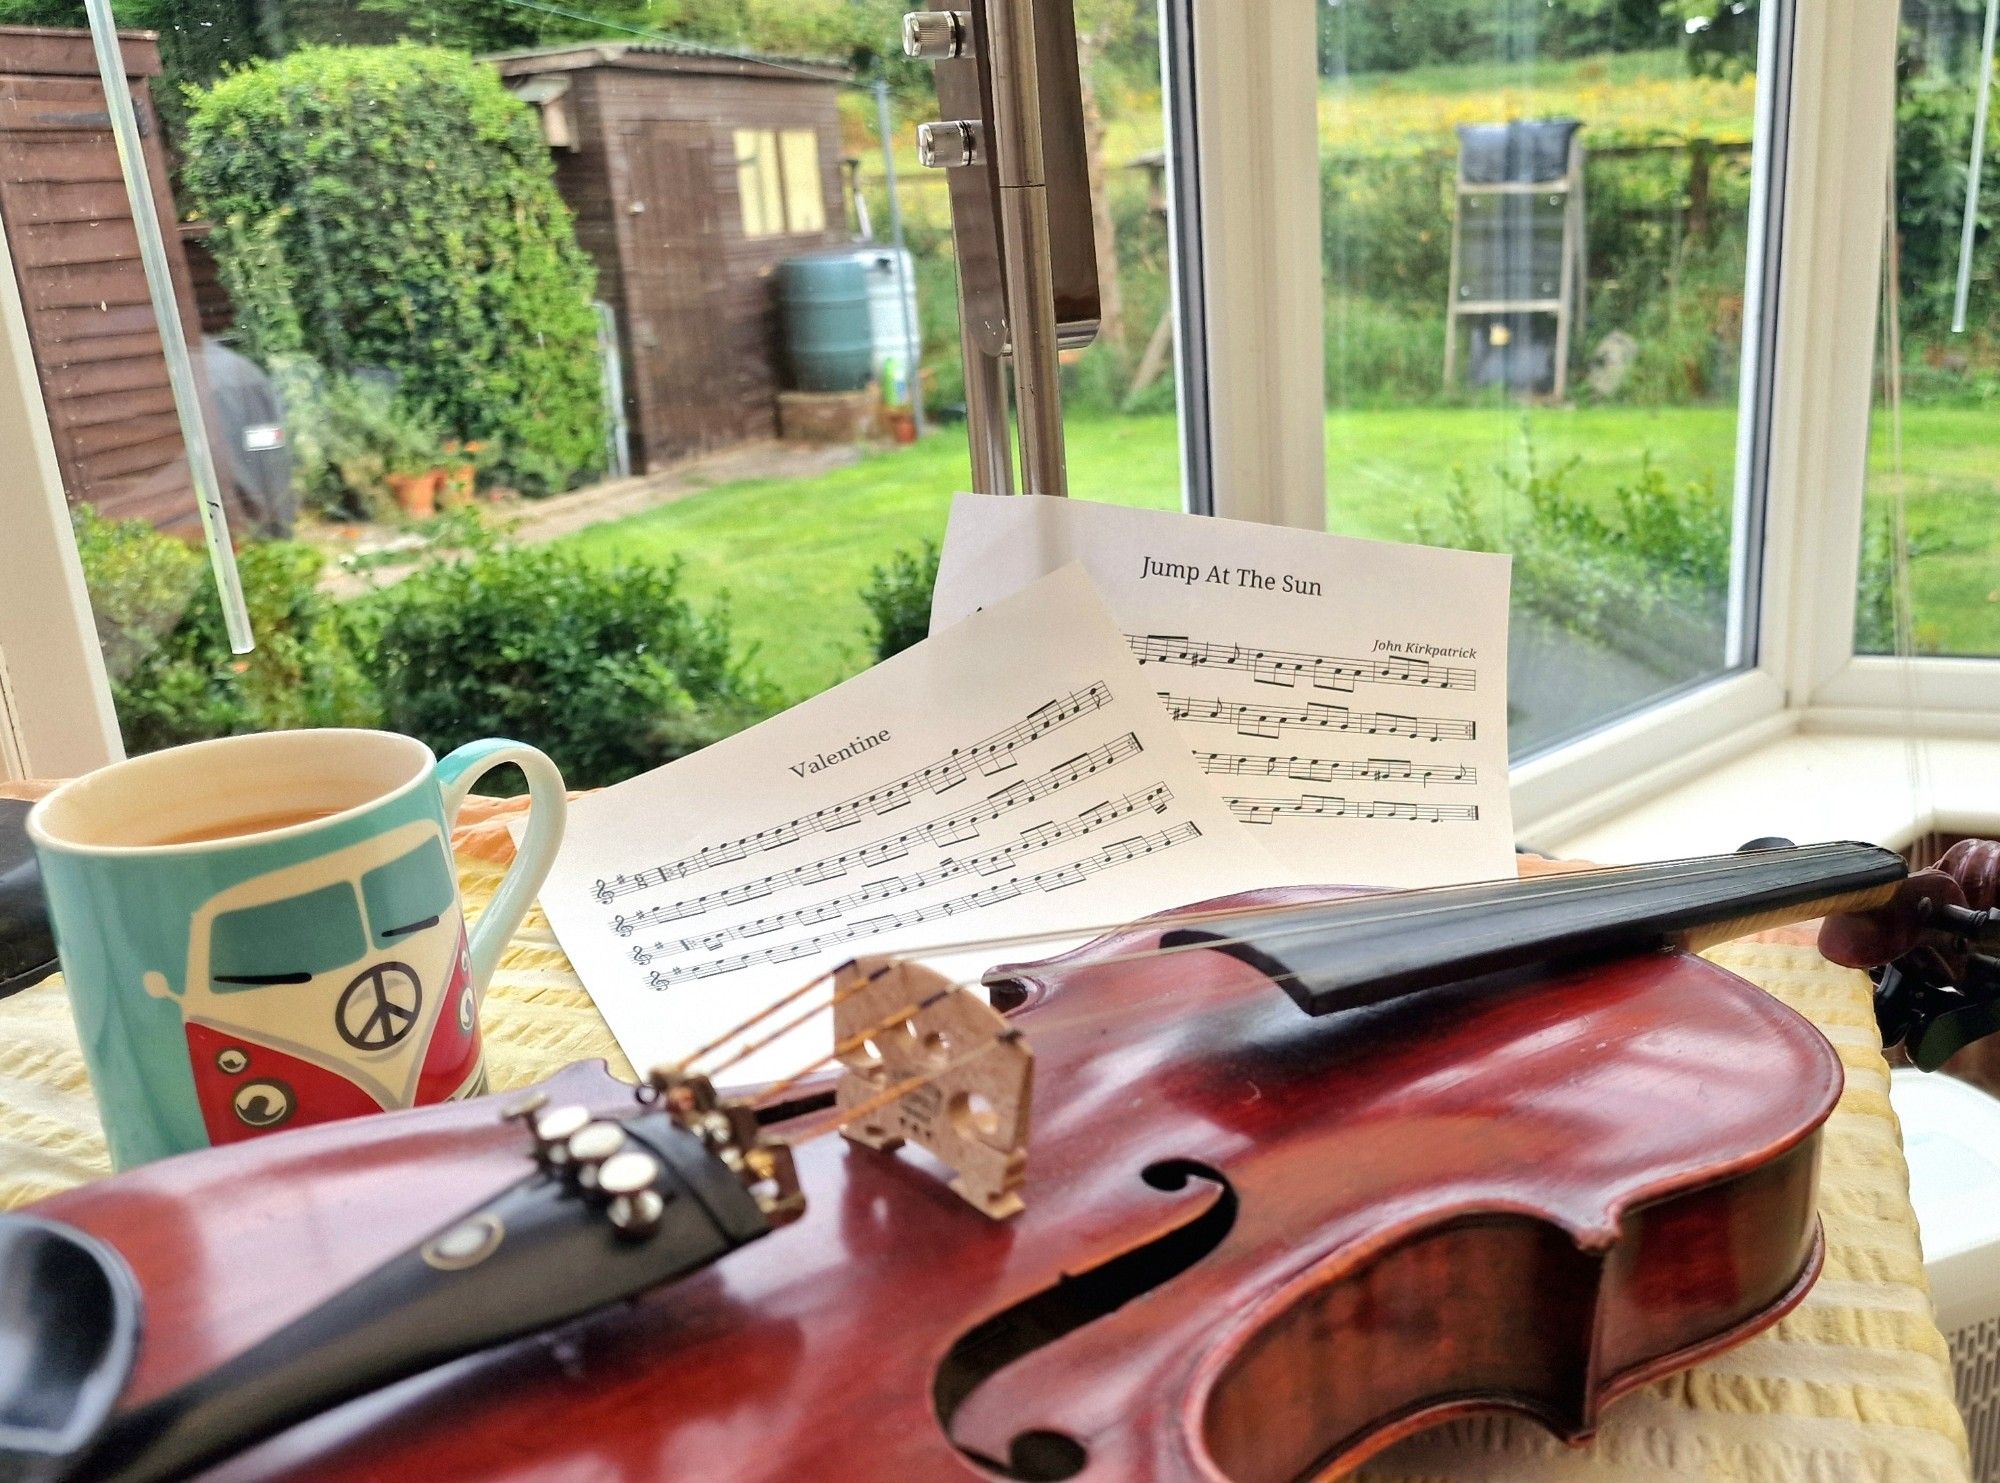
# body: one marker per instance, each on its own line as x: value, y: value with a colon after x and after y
x: 1832, y: 776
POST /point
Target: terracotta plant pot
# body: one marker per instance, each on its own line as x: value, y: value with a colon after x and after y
x: 455, y: 487
x: 416, y: 494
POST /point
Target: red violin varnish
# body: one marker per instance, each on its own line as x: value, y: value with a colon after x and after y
x: 1256, y: 1243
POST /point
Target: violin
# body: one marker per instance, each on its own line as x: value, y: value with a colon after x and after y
x: 1245, y: 1191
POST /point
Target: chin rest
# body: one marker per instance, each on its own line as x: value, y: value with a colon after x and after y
x: 69, y: 1331
x: 27, y: 943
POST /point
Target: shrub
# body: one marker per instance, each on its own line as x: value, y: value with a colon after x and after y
x: 350, y: 435
x: 898, y: 599
x: 173, y: 678
x: 607, y: 669
x: 394, y: 208
x: 1650, y: 582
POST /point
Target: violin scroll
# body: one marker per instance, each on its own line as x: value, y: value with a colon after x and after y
x: 1931, y: 950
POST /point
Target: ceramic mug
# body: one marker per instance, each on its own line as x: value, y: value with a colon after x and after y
x: 264, y: 932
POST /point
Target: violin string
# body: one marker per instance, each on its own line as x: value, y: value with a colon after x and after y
x: 804, y: 1016
x: 888, y: 1096
x: 1916, y: 757
x: 1566, y: 885
x: 854, y: 1041
x: 681, y: 1066
x: 1434, y: 901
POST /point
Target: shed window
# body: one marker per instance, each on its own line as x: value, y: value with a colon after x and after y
x: 805, y: 203
x: 778, y: 180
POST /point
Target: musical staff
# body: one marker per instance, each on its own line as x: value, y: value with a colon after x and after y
x: 1032, y: 841
x: 1270, y: 722
x: 942, y: 832
x: 1313, y: 806
x: 1322, y: 770
x: 1286, y: 667
x: 990, y: 756
x: 1056, y: 879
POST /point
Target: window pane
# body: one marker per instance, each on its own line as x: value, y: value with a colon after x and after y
x: 1536, y: 221
x: 805, y: 200
x: 1941, y: 471
x: 757, y: 182
x: 565, y: 370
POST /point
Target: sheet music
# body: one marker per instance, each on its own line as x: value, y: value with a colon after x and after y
x: 1010, y: 775
x: 1347, y: 697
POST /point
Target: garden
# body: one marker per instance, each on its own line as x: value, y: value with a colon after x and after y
x: 386, y: 222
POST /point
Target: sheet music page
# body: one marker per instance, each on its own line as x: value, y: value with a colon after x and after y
x: 1348, y: 697
x: 1009, y: 775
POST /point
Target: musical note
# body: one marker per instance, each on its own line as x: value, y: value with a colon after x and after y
x: 1108, y: 858
x: 988, y: 755
x: 1269, y: 722
x: 888, y: 888
x: 1286, y: 668
x: 1313, y: 806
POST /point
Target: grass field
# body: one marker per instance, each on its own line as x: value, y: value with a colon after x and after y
x: 792, y: 556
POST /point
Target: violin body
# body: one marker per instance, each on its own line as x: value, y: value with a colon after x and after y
x: 1255, y: 1245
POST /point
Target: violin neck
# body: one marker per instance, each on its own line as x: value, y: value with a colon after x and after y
x: 1368, y: 949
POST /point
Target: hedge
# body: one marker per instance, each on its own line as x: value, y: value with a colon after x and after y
x: 395, y: 208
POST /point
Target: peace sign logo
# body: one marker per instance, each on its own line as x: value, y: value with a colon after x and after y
x: 380, y: 1007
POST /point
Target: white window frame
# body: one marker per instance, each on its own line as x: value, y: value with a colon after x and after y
x: 55, y: 701
x: 1255, y: 172
x: 1256, y: 71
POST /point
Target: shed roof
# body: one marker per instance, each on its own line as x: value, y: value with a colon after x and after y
x: 666, y: 56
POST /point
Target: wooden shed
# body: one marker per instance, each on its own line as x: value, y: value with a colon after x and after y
x: 692, y: 175
x: 76, y: 255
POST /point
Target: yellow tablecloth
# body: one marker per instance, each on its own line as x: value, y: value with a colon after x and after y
x: 1853, y: 1387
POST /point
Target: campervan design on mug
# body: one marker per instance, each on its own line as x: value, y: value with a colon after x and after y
x: 265, y: 932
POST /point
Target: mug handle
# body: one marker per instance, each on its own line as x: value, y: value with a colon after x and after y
x: 548, y: 807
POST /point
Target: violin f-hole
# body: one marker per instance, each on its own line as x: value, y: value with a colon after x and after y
x: 1039, y: 1455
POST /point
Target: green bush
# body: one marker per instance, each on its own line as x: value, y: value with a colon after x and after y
x: 1649, y: 580
x: 395, y: 208
x: 898, y: 599
x: 173, y: 678
x: 609, y: 670
x: 348, y: 436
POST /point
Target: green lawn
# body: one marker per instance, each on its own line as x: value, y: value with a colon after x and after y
x: 792, y: 555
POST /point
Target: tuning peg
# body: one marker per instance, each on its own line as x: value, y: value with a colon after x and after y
x: 589, y: 1147
x: 554, y: 1128
x: 936, y: 35
x: 950, y: 145
x: 629, y: 1178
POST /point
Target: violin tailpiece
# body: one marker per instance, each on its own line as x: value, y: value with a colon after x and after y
x: 968, y: 1072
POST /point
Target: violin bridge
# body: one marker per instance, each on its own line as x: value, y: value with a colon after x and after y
x: 968, y: 1075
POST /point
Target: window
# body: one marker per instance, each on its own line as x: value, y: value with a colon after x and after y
x: 1933, y: 499
x: 551, y: 254
x: 760, y: 183
x: 805, y: 200
x: 1536, y: 229
x: 777, y: 175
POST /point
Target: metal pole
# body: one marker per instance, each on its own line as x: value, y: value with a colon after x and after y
x: 904, y: 297
x: 1016, y: 141
x: 166, y: 311
x: 1973, y: 169
x: 986, y: 426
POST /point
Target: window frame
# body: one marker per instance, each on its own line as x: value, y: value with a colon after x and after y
x: 1241, y: 93
x: 56, y: 718
x: 1826, y: 122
